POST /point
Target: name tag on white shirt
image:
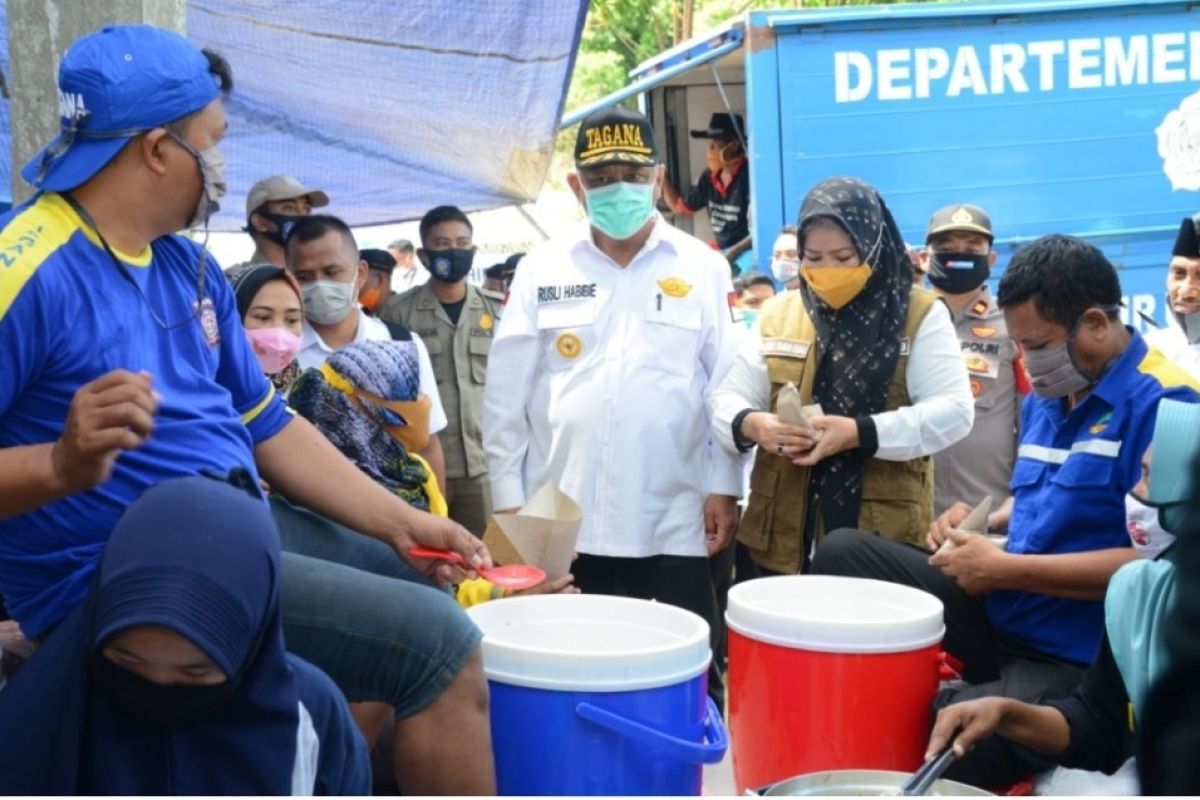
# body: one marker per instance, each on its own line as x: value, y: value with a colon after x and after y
x: 786, y: 348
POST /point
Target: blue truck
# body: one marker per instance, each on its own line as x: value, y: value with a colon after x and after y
x: 1078, y: 117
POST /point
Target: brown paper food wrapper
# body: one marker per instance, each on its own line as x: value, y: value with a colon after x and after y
x: 790, y: 409
x: 542, y: 533
x: 976, y: 521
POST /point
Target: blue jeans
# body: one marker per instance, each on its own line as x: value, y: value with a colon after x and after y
x: 371, y: 622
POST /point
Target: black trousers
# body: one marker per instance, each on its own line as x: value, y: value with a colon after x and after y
x: 994, y: 664
x: 681, y: 581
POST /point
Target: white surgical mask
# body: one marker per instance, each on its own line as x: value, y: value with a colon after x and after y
x: 1148, y: 537
x: 785, y: 269
x: 328, y: 302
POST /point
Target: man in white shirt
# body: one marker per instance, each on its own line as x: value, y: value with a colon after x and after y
x: 323, y: 256
x: 598, y: 377
x: 408, y: 274
x: 1180, y: 339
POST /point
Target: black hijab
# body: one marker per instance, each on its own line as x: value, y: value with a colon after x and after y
x: 858, y: 345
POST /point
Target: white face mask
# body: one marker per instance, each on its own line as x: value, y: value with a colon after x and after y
x: 328, y: 302
x: 785, y: 269
x: 1147, y: 535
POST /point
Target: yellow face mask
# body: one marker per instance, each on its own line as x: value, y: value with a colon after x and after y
x: 836, y: 286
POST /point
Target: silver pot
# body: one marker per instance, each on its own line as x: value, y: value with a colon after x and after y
x: 865, y: 782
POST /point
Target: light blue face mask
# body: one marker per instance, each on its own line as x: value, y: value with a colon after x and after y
x: 750, y: 316
x: 620, y: 209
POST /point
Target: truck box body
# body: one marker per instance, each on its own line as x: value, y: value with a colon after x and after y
x: 1067, y: 117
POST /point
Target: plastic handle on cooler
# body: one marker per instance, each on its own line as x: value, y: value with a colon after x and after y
x: 714, y: 733
x: 949, y: 667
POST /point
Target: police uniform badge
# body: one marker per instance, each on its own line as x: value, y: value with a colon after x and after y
x: 208, y: 322
x: 486, y: 322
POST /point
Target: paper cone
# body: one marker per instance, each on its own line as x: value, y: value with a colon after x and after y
x: 976, y: 521
x: 790, y: 409
x: 542, y: 533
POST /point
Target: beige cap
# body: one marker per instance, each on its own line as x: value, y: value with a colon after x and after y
x: 282, y: 187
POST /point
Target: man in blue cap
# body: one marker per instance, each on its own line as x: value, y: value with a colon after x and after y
x: 125, y: 364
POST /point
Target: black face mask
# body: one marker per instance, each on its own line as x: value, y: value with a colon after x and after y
x: 450, y: 266
x: 958, y: 273
x: 153, y: 703
x: 283, y: 225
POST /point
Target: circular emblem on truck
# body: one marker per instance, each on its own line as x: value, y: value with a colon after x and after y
x: 1179, y: 144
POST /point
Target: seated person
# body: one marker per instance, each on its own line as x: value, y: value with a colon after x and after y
x: 1092, y: 728
x: 365, y: 399
x: 171, y: 677
x: 1026, y: 620
x: 269, y: 303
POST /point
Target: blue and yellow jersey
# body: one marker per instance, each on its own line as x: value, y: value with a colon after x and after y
x: 1069, y: 483
x: 67, y: 316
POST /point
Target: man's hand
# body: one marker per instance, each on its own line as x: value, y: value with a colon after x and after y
x: 115, y: 412
x: 940, y: 528
x: 839, y: 434
x: 972, y: 721
x: 427, y: 530
x: 765, y: 429
x: 720, y: 521
x: 975, y: 563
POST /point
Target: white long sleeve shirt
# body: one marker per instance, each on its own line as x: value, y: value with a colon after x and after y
x: 599, y: 379
x: 942, y: 409
x: 1173, y: 343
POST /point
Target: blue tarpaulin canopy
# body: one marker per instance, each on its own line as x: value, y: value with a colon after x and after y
x: 390, y: 107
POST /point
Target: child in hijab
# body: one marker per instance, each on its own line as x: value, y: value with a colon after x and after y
x: 270, y: 305
x: 172, y: 677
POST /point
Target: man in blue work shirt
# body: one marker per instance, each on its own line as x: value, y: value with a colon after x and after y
x: 1026, y: 618
x: 123, y: 363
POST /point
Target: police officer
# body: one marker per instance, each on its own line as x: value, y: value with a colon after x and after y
x: 958, y: 259
x: 456, y: 320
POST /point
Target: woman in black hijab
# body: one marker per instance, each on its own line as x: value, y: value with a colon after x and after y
x: 881, y: 359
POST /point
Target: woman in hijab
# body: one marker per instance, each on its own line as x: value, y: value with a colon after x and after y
x: 270, y: 305
x: 876, y: 366
x: 172, y: 677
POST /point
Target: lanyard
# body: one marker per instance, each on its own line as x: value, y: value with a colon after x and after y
x: 120, y: 265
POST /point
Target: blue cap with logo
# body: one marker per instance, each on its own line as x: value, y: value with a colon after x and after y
x: 114, y: 84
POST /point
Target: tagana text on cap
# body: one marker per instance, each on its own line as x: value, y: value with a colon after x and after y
x: 282, y: 187
x: 114, y: 84
x: 960, y: 217
x: 615, y: 135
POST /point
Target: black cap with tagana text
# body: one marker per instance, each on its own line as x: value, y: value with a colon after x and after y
x: 959, y: 218
x: 615, y: 135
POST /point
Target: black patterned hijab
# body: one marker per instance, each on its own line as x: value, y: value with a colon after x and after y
x: 858, y: 345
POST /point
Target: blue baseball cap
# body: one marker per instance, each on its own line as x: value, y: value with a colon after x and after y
x: 114, y: 84
x: 1174, y: 449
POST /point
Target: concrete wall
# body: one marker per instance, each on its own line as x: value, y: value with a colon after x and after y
x: 39, y: 32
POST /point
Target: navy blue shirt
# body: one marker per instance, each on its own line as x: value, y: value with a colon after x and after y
x: 68, y: 316
x: 1069, y: 483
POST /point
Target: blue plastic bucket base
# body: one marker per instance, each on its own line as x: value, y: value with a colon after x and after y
x: 543, y: 746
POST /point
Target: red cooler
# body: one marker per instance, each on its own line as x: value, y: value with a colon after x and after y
x: 829, y: 673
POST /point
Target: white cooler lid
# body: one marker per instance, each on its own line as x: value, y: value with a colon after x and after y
x: 836, y: 615
x: 590, y: 643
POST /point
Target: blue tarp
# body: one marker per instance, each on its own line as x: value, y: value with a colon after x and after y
x: 390, y: 106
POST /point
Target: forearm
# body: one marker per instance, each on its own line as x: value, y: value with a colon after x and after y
x: 28, y: 479
x: 304, y: 467
x: 436, y: 458
x: 1040, y: 728
x: 1074, y: 576
x: 739, y: 248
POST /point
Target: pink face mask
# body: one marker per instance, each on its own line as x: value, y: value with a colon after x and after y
x: 275, y: 347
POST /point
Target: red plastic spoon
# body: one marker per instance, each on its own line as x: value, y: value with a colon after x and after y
x: 513, y: 576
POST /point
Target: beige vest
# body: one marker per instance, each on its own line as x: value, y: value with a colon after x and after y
x: 459, y: 355
x: 897, y: 496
